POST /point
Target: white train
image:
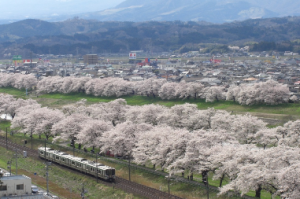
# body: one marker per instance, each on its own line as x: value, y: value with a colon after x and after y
x: 80, y: 164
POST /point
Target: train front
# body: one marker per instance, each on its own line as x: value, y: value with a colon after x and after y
x: 110, y: 173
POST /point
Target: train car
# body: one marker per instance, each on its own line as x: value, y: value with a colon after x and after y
x: 83, y: 165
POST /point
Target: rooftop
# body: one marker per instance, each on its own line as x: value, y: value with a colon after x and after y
x: 13, y: 177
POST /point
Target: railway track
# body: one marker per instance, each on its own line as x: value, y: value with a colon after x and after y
x: 120, y: 183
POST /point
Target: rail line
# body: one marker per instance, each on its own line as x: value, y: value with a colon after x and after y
x: 120, y: 183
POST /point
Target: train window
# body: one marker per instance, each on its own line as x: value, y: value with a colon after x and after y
x: 63, y: 159
x: 57, y: 157
x: 73, y: 162
x: 108, y: 172
x: 41, y: 152
x: 113, y: 172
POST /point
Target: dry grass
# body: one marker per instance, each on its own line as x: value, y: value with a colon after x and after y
x: 41, y: 182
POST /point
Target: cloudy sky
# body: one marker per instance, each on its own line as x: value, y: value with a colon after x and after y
x: 21, y: 9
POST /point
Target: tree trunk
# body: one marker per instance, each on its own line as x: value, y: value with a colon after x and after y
x: 258, y: 192
x: 154, y: 166
x: 40, y: 136
x: 79, y: 146
x: 204, y: 175
x: 191, y: 177
x: 221, y: 180
x: 182, y: 174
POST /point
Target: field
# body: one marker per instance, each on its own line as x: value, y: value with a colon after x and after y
x: 276, y: 115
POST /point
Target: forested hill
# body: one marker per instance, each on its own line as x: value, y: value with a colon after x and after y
x: 64, y: 37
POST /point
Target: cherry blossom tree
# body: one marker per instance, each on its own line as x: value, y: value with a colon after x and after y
x: 145, y: 114
x: 113, y: 111
x: 149, y: 145
x: 160, y: 146
x: 222, y: 120
x: 214, y: 93
x: 91, y: 132
x: 6, y: 80
x: 37, y: 121
x: 123, y: 138
x: 269, y: 92
x: 150, y: 87
x: 294, y: 98
x: 169, y: 91
x: 5, y: 102
x: 290, y: 133
x: 199, y: 148
x: 267, y: 137
x: 289, y: 181
x: 244, y: 128
x: 69, y: 127
x: 24, y: 81
x: 194, y: 89
x: 14, y: 105
x: 179, y: 116
x: 257, y: 169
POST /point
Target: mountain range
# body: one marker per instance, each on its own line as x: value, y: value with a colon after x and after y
x: 215, y: 11
x: 85, y: 36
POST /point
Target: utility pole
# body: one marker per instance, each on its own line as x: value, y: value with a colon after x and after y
x: 74, y: 149
x: 83, y: 191
x: 48, y: 164
x: 9, y: 166
x: 16, y: 156
x: 207, y: 186
x: 97, y: 166
x: 6, y: 139
x: 169, y: 186
x: 129, y: 167
x: 45, y: 148
x: 169, y: 179
x: 31, y: 139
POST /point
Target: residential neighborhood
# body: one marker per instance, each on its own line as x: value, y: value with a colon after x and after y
x: 239, y: 67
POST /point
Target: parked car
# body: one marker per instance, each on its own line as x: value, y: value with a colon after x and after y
x: 34, y: 189
x: 6, y: 174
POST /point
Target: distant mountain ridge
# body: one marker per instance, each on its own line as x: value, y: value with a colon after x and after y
x: 65, y: 37
x: 216, y: 11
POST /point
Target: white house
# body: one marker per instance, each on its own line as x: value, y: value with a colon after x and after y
x: 17, y: 187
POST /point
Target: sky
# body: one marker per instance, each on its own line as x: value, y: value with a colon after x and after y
x: 22, y: 9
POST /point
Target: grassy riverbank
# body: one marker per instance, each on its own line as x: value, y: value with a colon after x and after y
x: 280, y: 113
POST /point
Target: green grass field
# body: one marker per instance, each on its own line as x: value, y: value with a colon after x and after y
x: 280, y: 113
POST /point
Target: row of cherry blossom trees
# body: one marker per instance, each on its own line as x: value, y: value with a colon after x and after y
x: 18, y: 81
x: 181, y: 139
x: 269, y: 92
